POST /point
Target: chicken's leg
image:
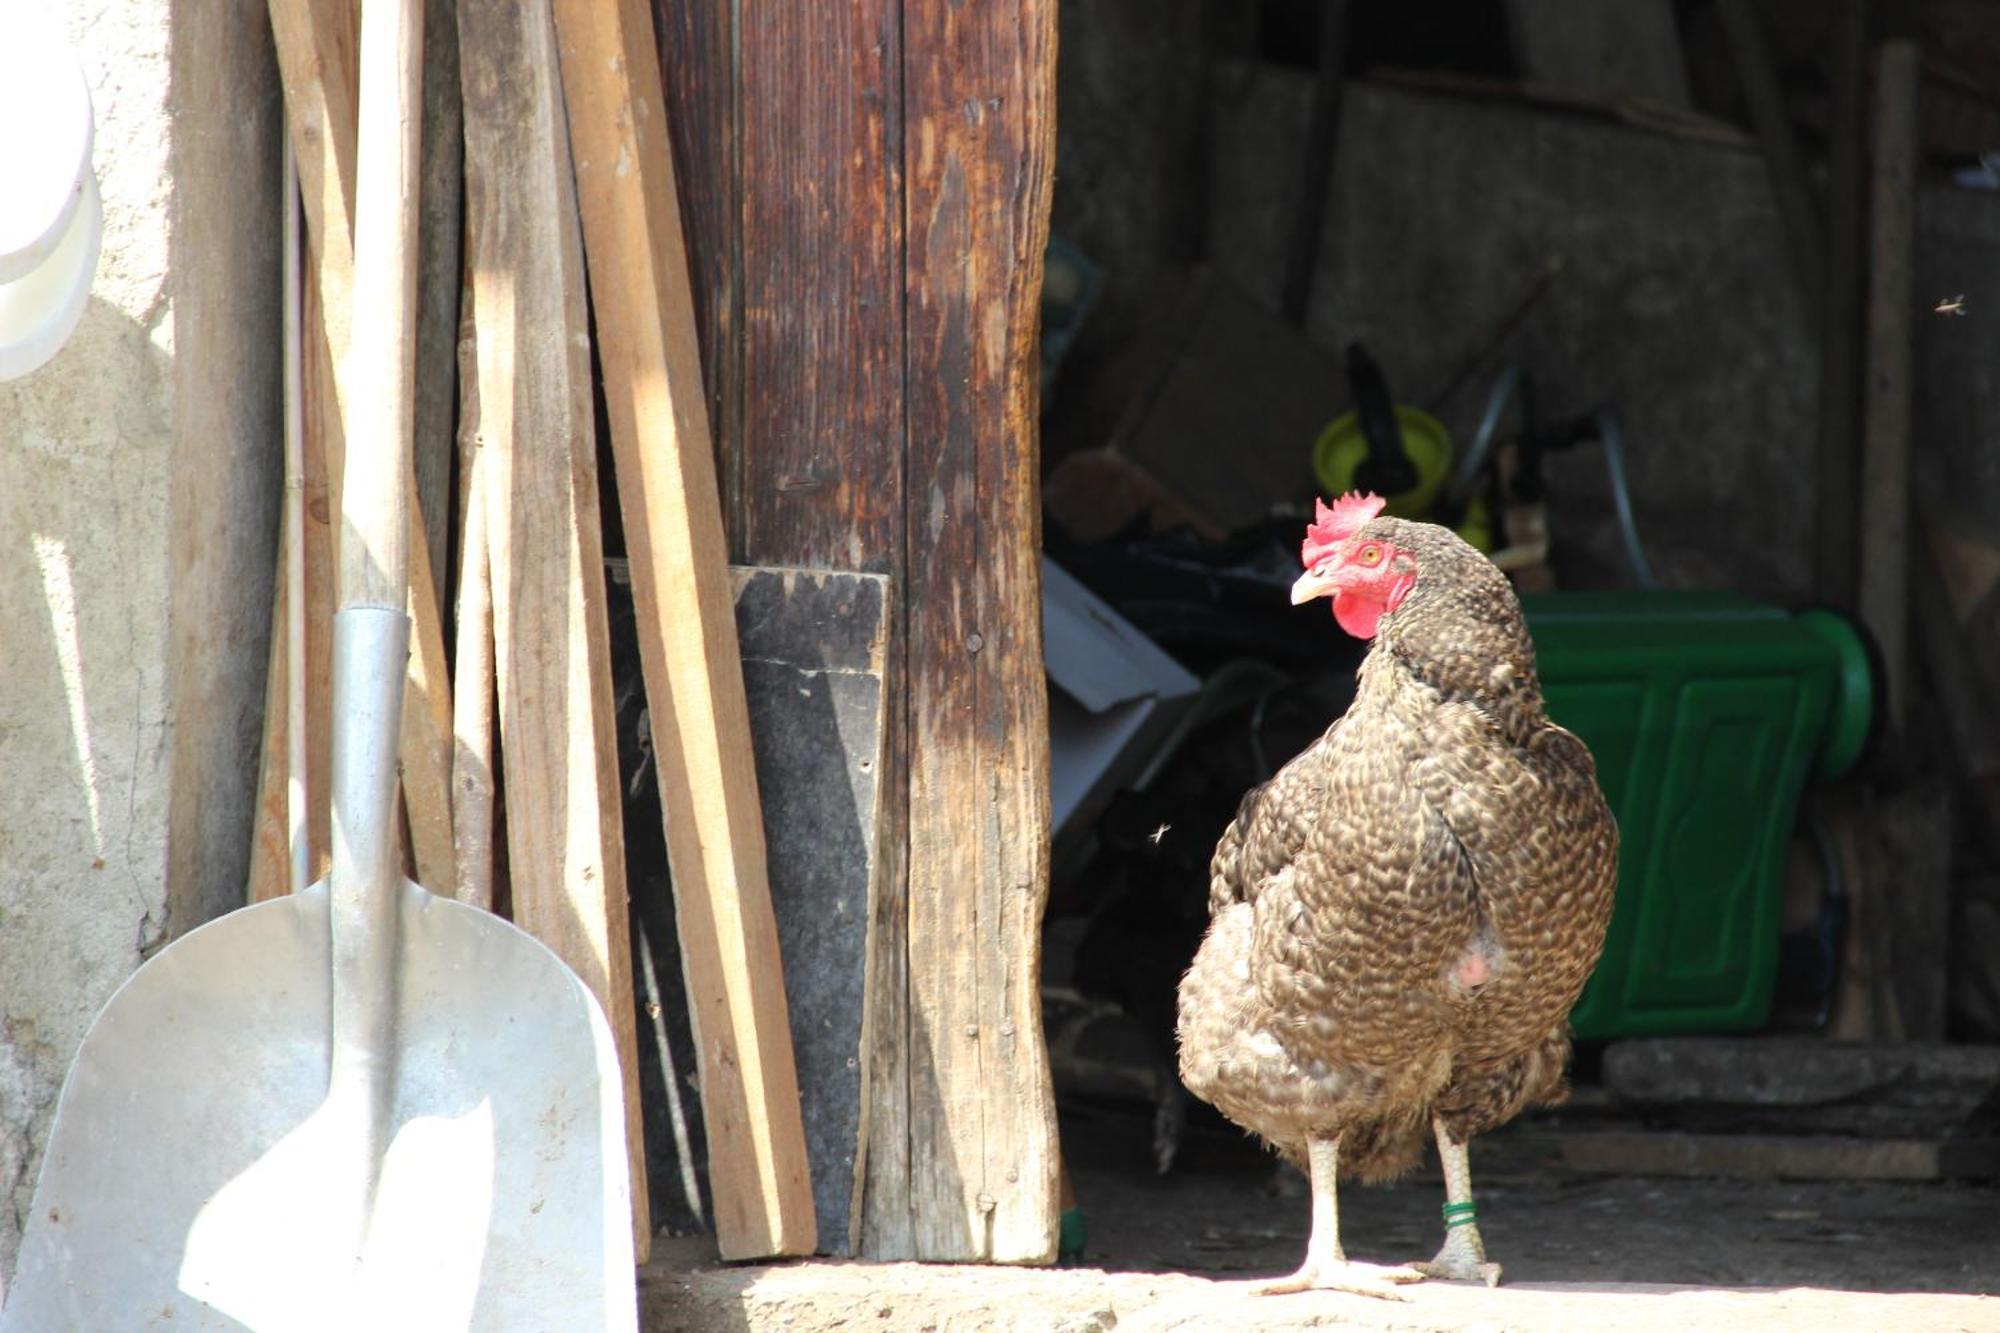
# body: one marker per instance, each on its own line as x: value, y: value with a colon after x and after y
x: 1326, y: 1268
x: 1463, y: 1258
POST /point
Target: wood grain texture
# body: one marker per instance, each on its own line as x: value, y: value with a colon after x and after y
x: 439, y: 274
x: 321, y: 413
x: 979, y: 148
x: 472, y: 696
x: 317, y: 45
x: 686, y: 628
x: 868, y: 184
x: 537, y: 435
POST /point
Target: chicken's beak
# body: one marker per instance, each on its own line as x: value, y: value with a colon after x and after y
x: 1310, y: 585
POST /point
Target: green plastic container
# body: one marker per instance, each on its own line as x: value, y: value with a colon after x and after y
x: 1708, y: 714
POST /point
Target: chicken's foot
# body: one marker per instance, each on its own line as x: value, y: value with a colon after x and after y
x: 1463, y: 1257
x: 1326, y: 1267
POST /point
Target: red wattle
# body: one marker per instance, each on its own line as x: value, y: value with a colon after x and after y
x: 1358, y: 615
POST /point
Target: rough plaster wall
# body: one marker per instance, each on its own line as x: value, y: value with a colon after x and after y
x: 1676, y: 302
x: 94, y: 575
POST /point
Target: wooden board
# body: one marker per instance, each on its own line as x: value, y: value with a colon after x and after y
x: 1885, y: 451
x: 268, y: 877
x: 316, y: 45
x: 979, y: 146
x: 473, y: 788
x: 813, y: 654
x: 868, y: 188
x: 687, y: 635
x: 551, y: 649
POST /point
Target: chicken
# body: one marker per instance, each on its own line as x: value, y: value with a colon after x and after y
x: 1402, y: 918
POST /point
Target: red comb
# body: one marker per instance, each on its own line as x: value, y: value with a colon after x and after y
x: 1335, y: 524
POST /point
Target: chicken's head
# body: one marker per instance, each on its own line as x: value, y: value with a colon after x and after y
x: 1366, y: 574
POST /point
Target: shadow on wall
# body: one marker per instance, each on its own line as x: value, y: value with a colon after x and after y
x: 83, y: 760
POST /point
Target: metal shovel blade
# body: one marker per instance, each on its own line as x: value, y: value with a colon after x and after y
x: 198, y: 1178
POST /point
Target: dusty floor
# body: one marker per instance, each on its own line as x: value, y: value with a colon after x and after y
x: 1580, y: 1253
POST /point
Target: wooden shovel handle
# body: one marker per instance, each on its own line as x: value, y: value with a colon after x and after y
x: 374, y: 559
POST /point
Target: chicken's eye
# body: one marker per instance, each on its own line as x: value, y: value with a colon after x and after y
x: 1370, y: 554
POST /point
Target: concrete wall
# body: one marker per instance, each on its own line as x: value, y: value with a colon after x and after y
x: 138, y: 498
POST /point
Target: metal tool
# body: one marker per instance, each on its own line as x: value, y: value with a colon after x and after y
x: 361, y: 1106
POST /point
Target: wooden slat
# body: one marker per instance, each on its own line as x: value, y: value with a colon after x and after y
x: 686, y: 628
x: 979, y: 144
x: 807, y: 290
x: 1885, y: 455
x: 472, y: 701
x: 316, y: 45
x: 805, y: 139
x: 551, y: 640
x: 270, y: 835
x: 1837, y: 482
x: 439, y: 274
x: 268, y: 878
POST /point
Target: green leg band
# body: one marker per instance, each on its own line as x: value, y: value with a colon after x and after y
x: 1458, y: 1215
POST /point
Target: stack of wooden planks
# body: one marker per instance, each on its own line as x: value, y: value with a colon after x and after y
x: 508, y: 754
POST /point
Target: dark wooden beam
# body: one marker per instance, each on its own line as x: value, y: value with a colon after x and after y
x: 867, y: 187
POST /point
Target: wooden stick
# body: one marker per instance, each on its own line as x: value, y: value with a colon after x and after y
x: 1838, y: 477
x: 472, y: 683
x: 298, y: 804
x: 316, y: 45
x: 281, y: 858
x: 1885, y: 462
x: 558, y: 745
x: 687, y: 630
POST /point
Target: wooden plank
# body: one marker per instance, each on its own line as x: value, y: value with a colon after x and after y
x: 472, y: 696
x: 316, y: 43
x: 320, y: 418
x: 439, y: 278
x: 814, y: 647
x: 1838, y: 479
x: 799, y: 291
x: 1885, y: 459
x: 551, y: 647
x: 687, y: 634
x: 979, y: 141
x: 270, y: 834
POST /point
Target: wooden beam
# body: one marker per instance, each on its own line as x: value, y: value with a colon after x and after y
x: 565, y: 832
x: 867, y: 198
x: 472, y: 697
x: 316, y: 45
x: 439, y: 277
x: 686, y: 628
x: 979, y: 120
x: 1885, y: 458
x: 321, y: 422
x: 1838, y: 477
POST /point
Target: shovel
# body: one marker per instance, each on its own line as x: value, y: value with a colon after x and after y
x: 361, y: 1106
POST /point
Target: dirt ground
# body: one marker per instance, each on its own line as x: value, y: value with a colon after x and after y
x: 1580, y: 1252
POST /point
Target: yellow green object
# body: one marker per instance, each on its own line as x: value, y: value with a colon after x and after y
x: 1343, y: 447
x: 1708, y: 714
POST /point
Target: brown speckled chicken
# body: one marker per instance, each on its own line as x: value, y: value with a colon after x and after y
x: 1402, y: 918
